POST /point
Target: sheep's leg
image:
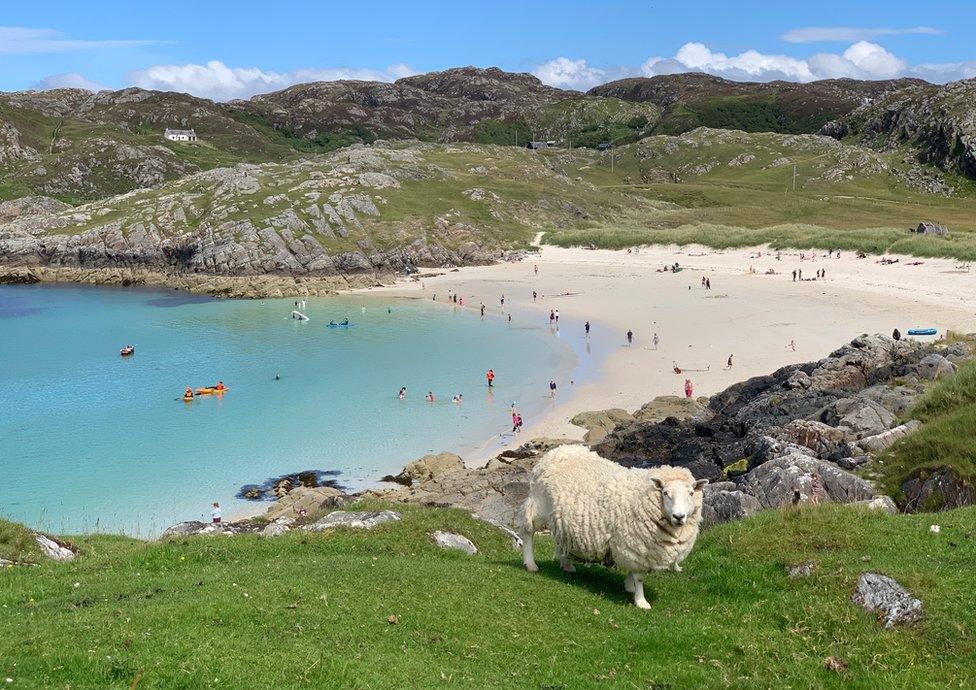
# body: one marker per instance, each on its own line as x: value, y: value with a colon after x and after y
x: 629, y: 583
x: 639, y: 600
x: 528, y: 551
x: 676, y: 567
x: 564, y: 562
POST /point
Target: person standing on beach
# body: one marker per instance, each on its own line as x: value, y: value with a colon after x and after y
x: 491, y: 377
x: 482, y: 310
x: 800, y: 273
x: 536, y: 268
x: 656, y: 341
x: 708, y: 283
x: 586, y: 327
x: 515, y: 428
x: 534, y: 295
x: 703, y: 282
x: 552, y: 317
x: 552, y: 388
x: 794, y: 275
x: 503, y: 301
x: 557, y: 317
x: 518, y: 422
x: 728, y: 364
x: 689, y: 389
x: 215, y: 513
x: 630, y: 337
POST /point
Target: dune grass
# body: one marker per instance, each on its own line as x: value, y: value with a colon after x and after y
x: 388, y: 609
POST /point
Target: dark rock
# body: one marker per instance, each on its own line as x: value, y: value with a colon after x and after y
x: 937, y: 489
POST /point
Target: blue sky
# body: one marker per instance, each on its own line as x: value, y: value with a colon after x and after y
x: 232, y: 49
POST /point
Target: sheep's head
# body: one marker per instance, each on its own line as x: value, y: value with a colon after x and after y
x: 678, y: 498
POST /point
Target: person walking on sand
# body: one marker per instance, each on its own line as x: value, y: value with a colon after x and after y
x: 703, y: 282
x: 491, y: 377
x: 630, y: 337
x: 482, y: 310
x: 708, y: 283
x: 557, y: 317
x: 728, y: 365
x: 552, y: 388
x: 518, y: 422
x: 503, y: 301
x: 792, y: 345
x: 536, y: 268
x: 656, y: 341
x: 215, y: 513
x: 586, y: 327
x: 515, y: 428
x: 534, y: 295
x: 794, y: 275
x: 689, y: 389
x: 552, y: 317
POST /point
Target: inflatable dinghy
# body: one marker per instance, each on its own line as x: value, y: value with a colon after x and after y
x: 922, y: 331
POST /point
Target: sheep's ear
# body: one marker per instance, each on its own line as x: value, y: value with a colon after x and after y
x: 658, y: 484
x: 700, y: 484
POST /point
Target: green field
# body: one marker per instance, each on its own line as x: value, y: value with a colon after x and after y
x: 388, y: 609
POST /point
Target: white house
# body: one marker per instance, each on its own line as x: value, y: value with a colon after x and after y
x: 180, y: 135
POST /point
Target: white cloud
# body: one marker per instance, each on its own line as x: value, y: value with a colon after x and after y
x: 67, y: 80
x: 569, y: 74
x: 218, y: 81
x: 18, y: 40
x: 861, y: 60
x: 847, y: 34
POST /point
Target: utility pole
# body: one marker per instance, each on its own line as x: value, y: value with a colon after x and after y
x: 794, y: 177
x: 611, y: 159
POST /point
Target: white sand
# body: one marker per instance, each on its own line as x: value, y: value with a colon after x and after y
x: 749, y: 315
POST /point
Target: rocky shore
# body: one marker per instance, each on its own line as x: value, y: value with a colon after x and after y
x: 802, y: 434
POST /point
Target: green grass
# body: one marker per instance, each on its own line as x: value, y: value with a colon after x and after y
x: 313, y: 611
x: 17, y: 544
x: 947, y: 438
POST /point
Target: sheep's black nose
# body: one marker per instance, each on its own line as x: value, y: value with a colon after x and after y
x: 680, y: 519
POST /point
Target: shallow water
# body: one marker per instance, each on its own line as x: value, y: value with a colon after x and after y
x: 93, y: 441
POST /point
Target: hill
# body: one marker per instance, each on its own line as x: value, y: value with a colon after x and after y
x: 933, y: 124
x: 387, y: 608
x: 700, y: 100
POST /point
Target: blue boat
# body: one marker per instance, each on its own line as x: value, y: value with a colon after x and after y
x: 333, y: 324
x: 922, y: 331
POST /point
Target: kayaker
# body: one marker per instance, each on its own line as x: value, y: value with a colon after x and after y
x: 188, y: 393
x: 220, y: 386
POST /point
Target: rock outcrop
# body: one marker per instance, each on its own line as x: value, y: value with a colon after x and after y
x: 884, y: 596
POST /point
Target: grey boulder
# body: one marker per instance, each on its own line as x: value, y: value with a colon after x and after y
x: 353, y: 519
x: 934, y: 366
x: 52, y: 549
x: 892, y: 602
x: 450, y: 540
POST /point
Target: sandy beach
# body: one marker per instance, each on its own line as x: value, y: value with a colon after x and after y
x: 747, y: 313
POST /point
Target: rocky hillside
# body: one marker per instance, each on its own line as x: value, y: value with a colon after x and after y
x: 360, y: 211
x: 464, y: 104
x: 695, y: 100
x: 936, y: 123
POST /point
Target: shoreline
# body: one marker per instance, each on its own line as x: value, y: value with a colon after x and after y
x: 617, y: 290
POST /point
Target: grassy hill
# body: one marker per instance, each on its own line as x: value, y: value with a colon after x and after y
x: 389, y: 609
x: 726, y: 189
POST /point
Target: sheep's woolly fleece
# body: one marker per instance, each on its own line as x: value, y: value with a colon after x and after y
x: 599, y: 511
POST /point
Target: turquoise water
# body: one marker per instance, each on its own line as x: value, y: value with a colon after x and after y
x: 93, y: 441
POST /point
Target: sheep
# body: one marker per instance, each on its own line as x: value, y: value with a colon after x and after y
x: 600, y: 512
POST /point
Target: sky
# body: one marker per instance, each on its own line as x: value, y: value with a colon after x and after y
x: 224, y: 50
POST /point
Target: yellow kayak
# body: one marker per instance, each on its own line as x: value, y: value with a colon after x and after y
x: 211, y: 391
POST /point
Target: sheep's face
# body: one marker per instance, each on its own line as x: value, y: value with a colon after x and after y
x: 678, y: 499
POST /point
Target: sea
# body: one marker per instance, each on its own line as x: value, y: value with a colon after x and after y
x: 94, y: 442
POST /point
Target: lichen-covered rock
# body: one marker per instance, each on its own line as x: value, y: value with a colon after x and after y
x: 935, y: 366
x: 887, y: 438
x: 353, y: 520
x: 601, y: 422
x: 683, y: 408
x: 53, y: 549
x: 884, y: 596
x: 311, y: 500
x: 725, y: 505
x: 450, y: 540
x: 428, y: 467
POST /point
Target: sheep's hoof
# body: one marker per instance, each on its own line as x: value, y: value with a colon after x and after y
x: 568, y: 567
x: 532, y: 567
x: 676, y: 568
x: 642, y: 604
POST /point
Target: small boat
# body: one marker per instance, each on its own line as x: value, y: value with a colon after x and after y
x: 127, y: 350
x: 333, y: 324
x: 211, y: 390
x: 922, y: 331
x: 298, y: 315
